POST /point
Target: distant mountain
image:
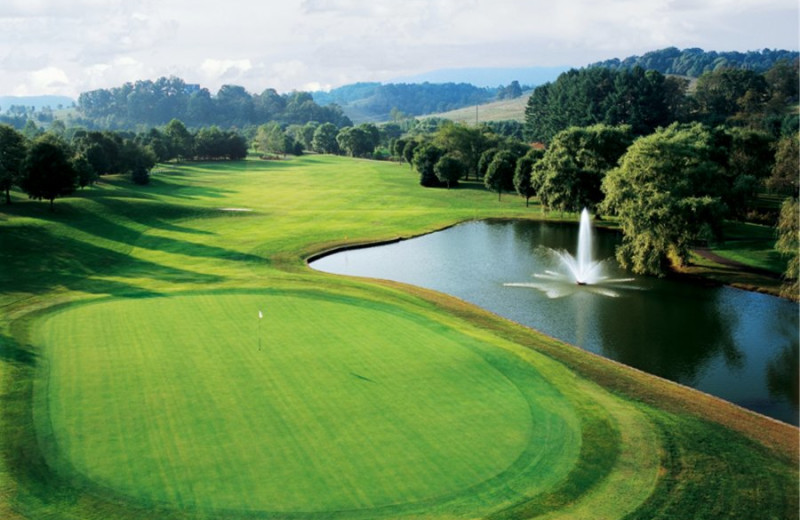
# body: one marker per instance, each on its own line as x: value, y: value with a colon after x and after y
x: 376, y: 102
x: 432, y: 92
x: 488, y: 76
x: 35, y: 101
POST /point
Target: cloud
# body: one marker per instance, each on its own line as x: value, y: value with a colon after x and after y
x: 223, y: 70
x: 291, y: 44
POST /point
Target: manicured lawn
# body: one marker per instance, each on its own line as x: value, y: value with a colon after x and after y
x: 137, y: 380
x: 342, y: 406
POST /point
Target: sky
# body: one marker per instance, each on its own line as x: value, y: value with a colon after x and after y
x: 65, y: 47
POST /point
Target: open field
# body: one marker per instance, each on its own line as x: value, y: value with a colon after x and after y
x: 137, y: 380
x: 503, y: 110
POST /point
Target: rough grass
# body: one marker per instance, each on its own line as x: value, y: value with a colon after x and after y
x: 132, y: 385
x: 503, y: 110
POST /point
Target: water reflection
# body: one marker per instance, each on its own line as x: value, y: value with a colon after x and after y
x: 738, y: 345
x: 782, y: 374
x: 673, y: 333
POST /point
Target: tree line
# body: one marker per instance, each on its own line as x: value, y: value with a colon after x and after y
x: 647, y: 99
x: 695, y: 62
x: 54, y: 164
x: 148, y: 103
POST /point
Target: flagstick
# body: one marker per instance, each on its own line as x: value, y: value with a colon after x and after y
x: 260, y: 316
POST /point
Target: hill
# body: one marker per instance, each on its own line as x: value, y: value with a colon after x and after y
x: 695, y: 62
x: 503, y: 110
x: 488, y: 76
x: 434, y: 92
x: 374, y: 102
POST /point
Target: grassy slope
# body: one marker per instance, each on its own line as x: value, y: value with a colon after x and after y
x: 171, y: 237
x: 504, y: 110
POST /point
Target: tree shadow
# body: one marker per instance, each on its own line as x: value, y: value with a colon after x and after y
x: 12, y: 352
x: 154, y: 214
x: 37, y: 260
x: 112, y: 231
x: 192, y: 189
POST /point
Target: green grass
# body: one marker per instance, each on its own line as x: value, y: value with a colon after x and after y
x: 752, y: 245
x: 360, y: 407
x: 133, y: 386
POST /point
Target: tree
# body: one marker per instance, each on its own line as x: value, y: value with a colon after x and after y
x: 83, y: 170
x: 359, y: 141
x: 408, y: 151
x: 324, y: 140
x: 523, y: 174
x: 464, y: 143
x: 500, y: 173
x: 512, y: 91
x: 572, y: 169
x: 730, y: 93
x: 270, y: 138
x: 789, y: 244
x: 486, y: 158
x: 12, y: 156
x: 784, y: 176
x: 30, y: 130
x: 666, y: 193
x: 747, y: 159
x: 425, y: 158
x: 101, y: 149
x: 448, y: 170
x: 138, y: 161
x: 180, y: 140
x: 47, y: 172
x: 234, y: 106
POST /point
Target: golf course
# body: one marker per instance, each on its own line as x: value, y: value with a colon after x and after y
x: 166, y: 352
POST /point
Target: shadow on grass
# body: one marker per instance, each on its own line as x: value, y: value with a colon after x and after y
x: 37, y: 260
x: 11, y: 351
x: 153, y: 214
x: 102, y: 227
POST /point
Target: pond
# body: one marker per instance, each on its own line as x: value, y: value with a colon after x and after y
x: 738, y: 345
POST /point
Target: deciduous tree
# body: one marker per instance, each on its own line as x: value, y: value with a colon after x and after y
x: 666, y: 194
x: 48, y: 173
x: 425, y: 158
x: 572, y: 169
x: 783, y: 179
x: 181, y: 141
x: 324, y: 140
x: 448, y: 170
x: 523, y: 174
x: 500, y: 173
x: 789, y: 244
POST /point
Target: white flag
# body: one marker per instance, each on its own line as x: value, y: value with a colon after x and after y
x: 260, y: 315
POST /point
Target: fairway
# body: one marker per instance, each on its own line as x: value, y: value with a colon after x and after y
x: 137, y: 380
x: 344, y: 405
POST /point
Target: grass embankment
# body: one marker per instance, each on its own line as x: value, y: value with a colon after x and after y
x: 138, y: 381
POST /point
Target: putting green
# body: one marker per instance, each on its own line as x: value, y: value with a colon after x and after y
x: 326, y: 404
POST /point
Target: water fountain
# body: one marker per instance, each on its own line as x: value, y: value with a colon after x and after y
x: 579, y: 271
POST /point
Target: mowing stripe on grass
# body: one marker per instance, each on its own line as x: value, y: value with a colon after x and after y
x: 344, y: 407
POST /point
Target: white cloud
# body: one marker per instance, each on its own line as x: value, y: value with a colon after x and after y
x: 217, y: 72
x: 295, y: 43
